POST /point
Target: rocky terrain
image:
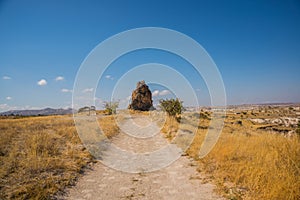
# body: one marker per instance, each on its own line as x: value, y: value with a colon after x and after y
x: 283, y: 121
x: 274, y: 118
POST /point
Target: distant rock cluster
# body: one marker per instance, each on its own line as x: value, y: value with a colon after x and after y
x: 141, y: 98
x: 284, y: 121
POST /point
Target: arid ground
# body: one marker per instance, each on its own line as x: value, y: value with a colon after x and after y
x: 256, y: 157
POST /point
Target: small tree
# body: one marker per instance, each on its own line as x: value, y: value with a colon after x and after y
x: 173, y: 107
x: 111, y: 107
x: 84, y: 109
x: 93, y: 108
x: 87, y: 109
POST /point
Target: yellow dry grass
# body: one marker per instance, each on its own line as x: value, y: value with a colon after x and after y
x: 170, y: 127
x: 108, y: 125
x: 137, y: 112
x: 40, y: 156
x: 247, y: 163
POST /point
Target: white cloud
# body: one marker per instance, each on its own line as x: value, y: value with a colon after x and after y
x: 27, y: 107
x: 155, y: 93
x: 3, y: 106
x: 164, y: 92
x: 123, y: 103
x: 109, y: 77
x: 126, y: 99
x: 6, y: 78
x: 59, y: 78
x: 42, y: 82
x: 66, y: 90
x: 6, y: 107
x: 8, y: 98
x: 88, y: 90
x: 98, y: 101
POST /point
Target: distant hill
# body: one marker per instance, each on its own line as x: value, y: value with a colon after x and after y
x: 46, y: 111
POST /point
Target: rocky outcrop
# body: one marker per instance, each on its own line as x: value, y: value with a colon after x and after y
x: 283, y: 121
x: 141, y: 98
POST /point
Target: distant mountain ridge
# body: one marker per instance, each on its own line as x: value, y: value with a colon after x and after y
x: 46, y: 111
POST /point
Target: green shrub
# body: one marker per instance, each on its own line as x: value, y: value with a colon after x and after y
x: 173, y: 107
x: 111, y: 107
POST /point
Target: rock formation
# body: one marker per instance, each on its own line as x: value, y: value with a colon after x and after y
x: 141, y: 98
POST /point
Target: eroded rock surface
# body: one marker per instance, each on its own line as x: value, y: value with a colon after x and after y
x: 141, y: 98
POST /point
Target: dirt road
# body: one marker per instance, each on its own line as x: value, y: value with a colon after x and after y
x: 178, y: 181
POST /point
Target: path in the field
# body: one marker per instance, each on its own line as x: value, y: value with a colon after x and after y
x: 178, y: 181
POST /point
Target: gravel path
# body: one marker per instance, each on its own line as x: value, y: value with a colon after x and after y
x: 178, y: 181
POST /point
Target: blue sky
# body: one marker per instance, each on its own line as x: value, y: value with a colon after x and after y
x: 255, y: 44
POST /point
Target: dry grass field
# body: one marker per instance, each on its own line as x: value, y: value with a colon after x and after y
x: 256, y: 157
x: 253, y: 163
x: 40, y: 156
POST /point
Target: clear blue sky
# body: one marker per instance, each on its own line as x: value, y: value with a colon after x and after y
x: 255, y: 44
